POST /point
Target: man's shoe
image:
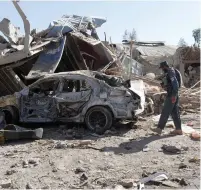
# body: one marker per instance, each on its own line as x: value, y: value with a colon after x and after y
x: 176, y: 132
x: 157, y: 130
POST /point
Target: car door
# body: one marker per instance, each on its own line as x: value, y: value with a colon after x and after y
x: 73, y: 97
x: 39, y: 104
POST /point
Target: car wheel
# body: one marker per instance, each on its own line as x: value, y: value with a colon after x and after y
x: 11, y: 114
x: 99, y: 119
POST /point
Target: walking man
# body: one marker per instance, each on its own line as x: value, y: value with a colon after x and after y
x: 171, y: 83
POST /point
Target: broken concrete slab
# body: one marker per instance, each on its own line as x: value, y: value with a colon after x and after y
x: 9, y: 30
x: 170, y: 184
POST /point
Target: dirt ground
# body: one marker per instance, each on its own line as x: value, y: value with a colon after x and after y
x: 122, y: 156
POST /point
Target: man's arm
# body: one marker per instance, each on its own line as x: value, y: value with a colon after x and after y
x: 174, y: 82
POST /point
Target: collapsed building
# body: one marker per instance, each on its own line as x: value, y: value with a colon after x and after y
x: 150, y: 53
x: 187, y: 60
x: 64, y: 46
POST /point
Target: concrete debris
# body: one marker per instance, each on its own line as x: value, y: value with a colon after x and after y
x: 160, y: 178
x: 183, y: 182
x: 127, y: 183
x: 14, y: 132
x: 182, y: 166
x: 170, y: 184
x: 60, y: 145
x: 79, y: 170
x: 29, y: 186
x: 146, y: 149
x: 10, y: 172
x: 194, y: 160
x: 25, y: 164
x: 10, y: 31
x: 35, y: 162
x: 83, y: 177
x: 172, y: 149
x: 195, y: 136
x: 81, y: 143
x: 180, y: 181
x: 5, y: 184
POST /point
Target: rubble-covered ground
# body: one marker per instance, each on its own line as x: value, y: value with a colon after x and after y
x: 72, y: 157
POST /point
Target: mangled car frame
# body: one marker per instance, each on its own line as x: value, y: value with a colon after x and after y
x: 78, y: 96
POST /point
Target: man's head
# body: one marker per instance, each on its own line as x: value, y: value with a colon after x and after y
x: 164, y: 65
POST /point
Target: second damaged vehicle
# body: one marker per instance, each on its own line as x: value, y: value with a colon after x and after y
x: 86, y: 97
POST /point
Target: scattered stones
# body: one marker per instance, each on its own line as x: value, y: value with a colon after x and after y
x: 60, y: 145
x: 194, y: 160
x: 29, y: 186
x: 118, y: 187
x: 154, y: 161
x: 145, y: 149
x: 183, y: 182
x: 145, y: 174
x: 83, y: 177
x: 5, y: 184
x: 79, y: 170
x: 182, y: 166
x: 171, y: 149
x: 195, y: 136
x: 82, y: 143
x: 25, y: 164
x: 127, y: 183
x: 33, y: 161
x: 14, y: 165
x: 184, y: 148
x: 54, y: 170
x: 10, y: 172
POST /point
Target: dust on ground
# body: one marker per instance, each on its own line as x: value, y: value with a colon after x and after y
x: 124, y: 154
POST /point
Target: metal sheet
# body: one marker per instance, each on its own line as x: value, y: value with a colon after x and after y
x: 48, y: 60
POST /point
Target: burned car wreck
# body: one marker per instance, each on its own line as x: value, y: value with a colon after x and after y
x: 77, y: 96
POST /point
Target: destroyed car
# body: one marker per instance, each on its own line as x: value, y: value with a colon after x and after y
x: 88, y: 97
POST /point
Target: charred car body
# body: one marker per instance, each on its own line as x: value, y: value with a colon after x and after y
x: 78, y: 96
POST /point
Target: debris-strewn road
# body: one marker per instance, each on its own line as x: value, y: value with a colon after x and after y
x: 121, y: 157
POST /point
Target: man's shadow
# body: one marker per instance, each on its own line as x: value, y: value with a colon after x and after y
x: 134, y: 146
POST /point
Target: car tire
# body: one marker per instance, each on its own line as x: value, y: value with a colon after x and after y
x: 99, y: 119
x: 11, y: 114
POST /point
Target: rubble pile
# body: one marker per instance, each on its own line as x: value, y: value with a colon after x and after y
x: 64, y: 46
x: 193, y: 75
x: 190, y: 98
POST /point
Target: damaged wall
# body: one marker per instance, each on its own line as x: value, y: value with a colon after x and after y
x: 187, y: 60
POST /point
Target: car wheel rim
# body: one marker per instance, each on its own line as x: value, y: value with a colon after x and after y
x: 97, y: 119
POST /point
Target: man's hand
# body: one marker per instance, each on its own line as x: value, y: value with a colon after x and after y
x: 173, y: 99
